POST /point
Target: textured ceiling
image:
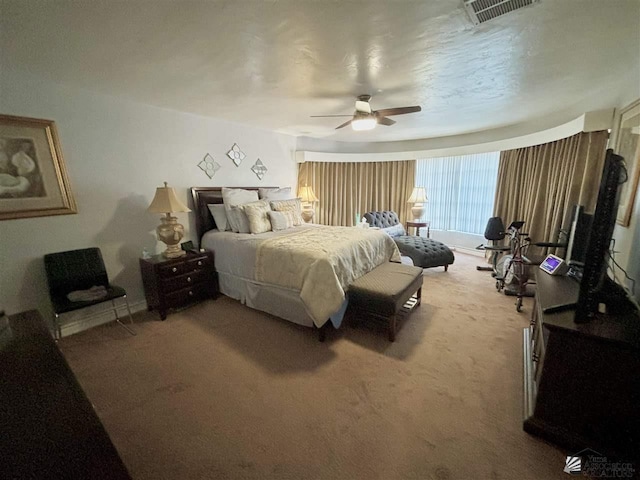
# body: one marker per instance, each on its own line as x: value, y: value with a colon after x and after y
x: 272, y: 64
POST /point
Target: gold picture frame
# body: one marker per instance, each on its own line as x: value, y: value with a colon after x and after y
x: 627, y: 144
x: 33, y: 177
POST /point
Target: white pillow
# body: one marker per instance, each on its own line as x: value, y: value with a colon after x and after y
x: 281, y: 220
x: 219, y: 216
x: 234, y: 197
x: 257, y: 213
x: 275, y: 193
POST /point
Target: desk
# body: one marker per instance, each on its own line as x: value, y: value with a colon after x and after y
x: 418, y: 226
x: 49, y: 427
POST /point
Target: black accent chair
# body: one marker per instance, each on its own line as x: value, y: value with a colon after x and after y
x: 77, y: 270
x: 424, y: 252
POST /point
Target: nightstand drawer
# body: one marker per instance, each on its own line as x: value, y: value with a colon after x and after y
x: 172, y: 270
x: 199, y: 263
x: 183, y: 281
x: 186, y: 295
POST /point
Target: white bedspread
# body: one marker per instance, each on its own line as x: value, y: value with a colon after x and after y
x: 322, y: 262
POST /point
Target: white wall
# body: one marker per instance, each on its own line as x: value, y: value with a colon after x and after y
x: 117, y: 152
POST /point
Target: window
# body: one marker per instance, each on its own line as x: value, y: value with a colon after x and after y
x: 460, y: 190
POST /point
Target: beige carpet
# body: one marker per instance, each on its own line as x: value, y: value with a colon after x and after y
x: 222, y: 391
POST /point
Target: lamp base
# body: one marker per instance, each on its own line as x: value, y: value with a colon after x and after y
x: 170, y: 232
x: 307, y: 214
x: 417, y: 211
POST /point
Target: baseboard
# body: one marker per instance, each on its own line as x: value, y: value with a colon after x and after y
x: 468, y: 251
x: 76, y: 326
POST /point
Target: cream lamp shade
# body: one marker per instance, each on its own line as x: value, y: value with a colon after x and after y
x: 169, y: 231
x: 308, y: 197
x: 418, y: 198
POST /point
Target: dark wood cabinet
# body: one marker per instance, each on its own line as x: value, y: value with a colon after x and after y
x: 49, y: 428
x: 174, y: 283
x: 581, y: 381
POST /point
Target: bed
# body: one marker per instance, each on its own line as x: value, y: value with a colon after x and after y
x: 299, y: 274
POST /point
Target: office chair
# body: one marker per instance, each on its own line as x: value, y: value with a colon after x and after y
x: 82, y: 274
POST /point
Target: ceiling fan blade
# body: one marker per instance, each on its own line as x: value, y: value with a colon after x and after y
x: 321, y: 116
x: 344, y: 124
x: 385, y: 121
x: 362, y: 106
x: 398, y: 111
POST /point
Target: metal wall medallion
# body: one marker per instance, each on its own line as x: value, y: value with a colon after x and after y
x: 259, y: 169
x: 236, y: 154
x: 209, y: 165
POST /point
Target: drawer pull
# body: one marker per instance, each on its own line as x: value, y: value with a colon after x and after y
x: 190, y: 293
x: 174, y: 269
x: 200, y: 263
x: 188, y: 279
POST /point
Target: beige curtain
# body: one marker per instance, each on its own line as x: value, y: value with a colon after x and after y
x: 541, y: 184
x: 347, y: 189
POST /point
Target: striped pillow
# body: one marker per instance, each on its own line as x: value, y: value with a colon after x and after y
x: 281, y: 220
x: 292, y: 206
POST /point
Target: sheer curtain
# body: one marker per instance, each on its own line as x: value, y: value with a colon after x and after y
x: 460, y: 190
x: 350, y: 188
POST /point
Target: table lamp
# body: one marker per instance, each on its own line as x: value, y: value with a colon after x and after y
x: 308, y: 197
x: 169, y: 231
x: 418, y: 198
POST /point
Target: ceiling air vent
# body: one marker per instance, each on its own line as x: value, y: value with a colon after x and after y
x: 481, y: 11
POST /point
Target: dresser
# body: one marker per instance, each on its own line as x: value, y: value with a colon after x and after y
x: 48, y: 427
x: 581, y: 381
x: 177, y: 282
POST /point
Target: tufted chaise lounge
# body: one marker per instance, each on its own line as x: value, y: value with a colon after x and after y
x: 423, y: 251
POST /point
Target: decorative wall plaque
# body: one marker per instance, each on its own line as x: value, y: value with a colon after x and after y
x: 209, y: 166
x: 236, y: 154
x: 259, y: 169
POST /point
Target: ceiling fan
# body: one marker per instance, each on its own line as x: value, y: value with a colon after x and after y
x: 366, y: 119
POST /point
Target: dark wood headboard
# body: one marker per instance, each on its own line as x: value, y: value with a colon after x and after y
x: 203, y: 196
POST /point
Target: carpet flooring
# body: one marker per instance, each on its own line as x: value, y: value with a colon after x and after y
x: 220, y: 391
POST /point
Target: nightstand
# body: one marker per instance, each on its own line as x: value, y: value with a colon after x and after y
x: 176, y: 282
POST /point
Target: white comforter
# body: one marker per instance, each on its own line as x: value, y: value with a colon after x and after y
x: 317, y: 261
x: 322, y: 262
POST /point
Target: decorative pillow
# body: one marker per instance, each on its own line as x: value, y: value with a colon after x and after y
x: 292, y: 206
x: 257, y: 213
x: 281, y: 220
x: 275, y: 193
x: 219, y: 216
x: 395, y: 231
x: 233, y: 197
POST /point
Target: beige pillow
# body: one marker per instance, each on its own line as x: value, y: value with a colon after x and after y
x: 258, y: 215
x: 292, y: 205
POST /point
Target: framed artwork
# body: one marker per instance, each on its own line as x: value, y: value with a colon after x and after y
x: 33, y: 178
x: 628, y: 145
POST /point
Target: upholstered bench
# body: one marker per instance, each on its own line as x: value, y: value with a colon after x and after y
x: 385, y: 290
x: 424, y: 252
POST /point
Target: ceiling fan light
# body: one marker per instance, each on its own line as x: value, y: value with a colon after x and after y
x: 360, y: 124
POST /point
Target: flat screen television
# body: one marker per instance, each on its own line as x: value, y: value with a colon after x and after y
x: 596, y: 287
x: 579, y: 228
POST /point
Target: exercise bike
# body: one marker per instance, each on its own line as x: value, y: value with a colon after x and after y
x: 513, y: 269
